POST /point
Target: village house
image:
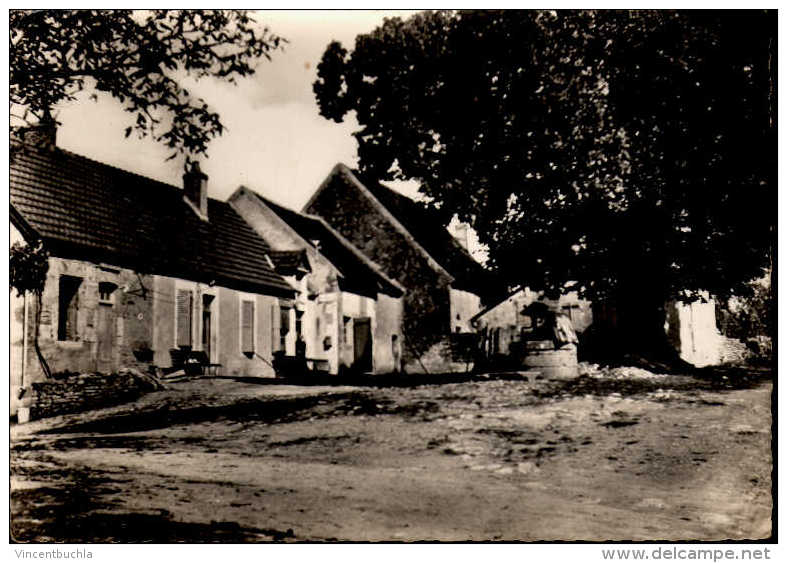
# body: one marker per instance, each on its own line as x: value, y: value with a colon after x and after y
x: 138, y: 269
x: 347, y: 311
x: 505, y: 325
x: 445, y: 285
x: 690, y: 327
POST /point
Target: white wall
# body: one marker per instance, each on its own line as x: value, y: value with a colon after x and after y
x: 355, y: 306
x: 691, y: 329
x: 463, y: 306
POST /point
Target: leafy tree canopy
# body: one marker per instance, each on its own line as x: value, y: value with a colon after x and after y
x: 136, y: 57
x: 630, y: 152
x: 27, y: 267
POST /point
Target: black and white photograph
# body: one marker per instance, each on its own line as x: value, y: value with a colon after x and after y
x: 394, y: 276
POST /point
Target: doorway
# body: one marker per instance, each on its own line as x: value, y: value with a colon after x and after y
x: 105, y: 335
x: 207, y: 326
x: 362, y: 344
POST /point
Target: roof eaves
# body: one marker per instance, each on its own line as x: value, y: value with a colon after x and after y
x: 27, y: 231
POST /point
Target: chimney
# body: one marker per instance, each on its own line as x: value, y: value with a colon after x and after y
x: 43, y: 134
x: 195, y: 186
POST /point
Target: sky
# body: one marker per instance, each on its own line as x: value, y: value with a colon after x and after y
x: 275, y: 140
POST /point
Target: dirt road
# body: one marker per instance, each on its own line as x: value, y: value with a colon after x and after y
x: 615, y: 456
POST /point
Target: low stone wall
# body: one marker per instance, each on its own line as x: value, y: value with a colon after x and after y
x: 83, y: 392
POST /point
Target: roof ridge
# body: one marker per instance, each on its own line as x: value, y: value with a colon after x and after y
x: 111, y: 167
x: 456, y: 244
x: 269, y: 201
x: 390, y: 216
x: 85, y: 207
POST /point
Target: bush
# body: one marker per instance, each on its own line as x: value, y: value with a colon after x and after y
x: 749, y: 316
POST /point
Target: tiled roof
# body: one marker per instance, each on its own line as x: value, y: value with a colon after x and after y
x: 87, y: 209
x: 359, y: 275
x: 289, y: 262
x: 426, y: 228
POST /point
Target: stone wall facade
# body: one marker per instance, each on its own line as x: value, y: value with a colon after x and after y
x: 388, y: 334
x: 109, y: 319
x: 116, y: 318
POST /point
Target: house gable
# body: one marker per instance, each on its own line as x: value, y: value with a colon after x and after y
x: 348, y: 176
x: 417, y: 227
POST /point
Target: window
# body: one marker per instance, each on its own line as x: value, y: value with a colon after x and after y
x: 284, y: 327
x: 247, y: 326
x: 106, y: 291
x: 348, y: 328
x: 298, y: 323
x: 183, y: 317
x: 68, y: 307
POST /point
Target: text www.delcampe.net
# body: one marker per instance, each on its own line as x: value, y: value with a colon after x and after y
x: 685, y: 553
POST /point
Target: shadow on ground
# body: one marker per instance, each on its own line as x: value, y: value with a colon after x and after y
x: 67, y: 511
x: 263, y: 410
x: 273, y: 410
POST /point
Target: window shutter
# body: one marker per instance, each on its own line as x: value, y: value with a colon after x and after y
x: 247, y: 326
x: 183, y: 312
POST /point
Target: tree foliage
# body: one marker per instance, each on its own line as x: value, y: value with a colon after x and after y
x: 27, y: 269
x: 751, y: 314
x: 632, y: 153
x: 136, y: 57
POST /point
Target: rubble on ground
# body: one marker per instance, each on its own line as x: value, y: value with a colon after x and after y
x: 627, y: 372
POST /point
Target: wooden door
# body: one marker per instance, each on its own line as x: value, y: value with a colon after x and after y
x: 362, y: 344
x: 105, y: 335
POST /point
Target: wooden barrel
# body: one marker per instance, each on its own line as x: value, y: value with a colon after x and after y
x: 542, y: 356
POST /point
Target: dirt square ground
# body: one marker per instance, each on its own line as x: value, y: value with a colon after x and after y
x: 618, y: 454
